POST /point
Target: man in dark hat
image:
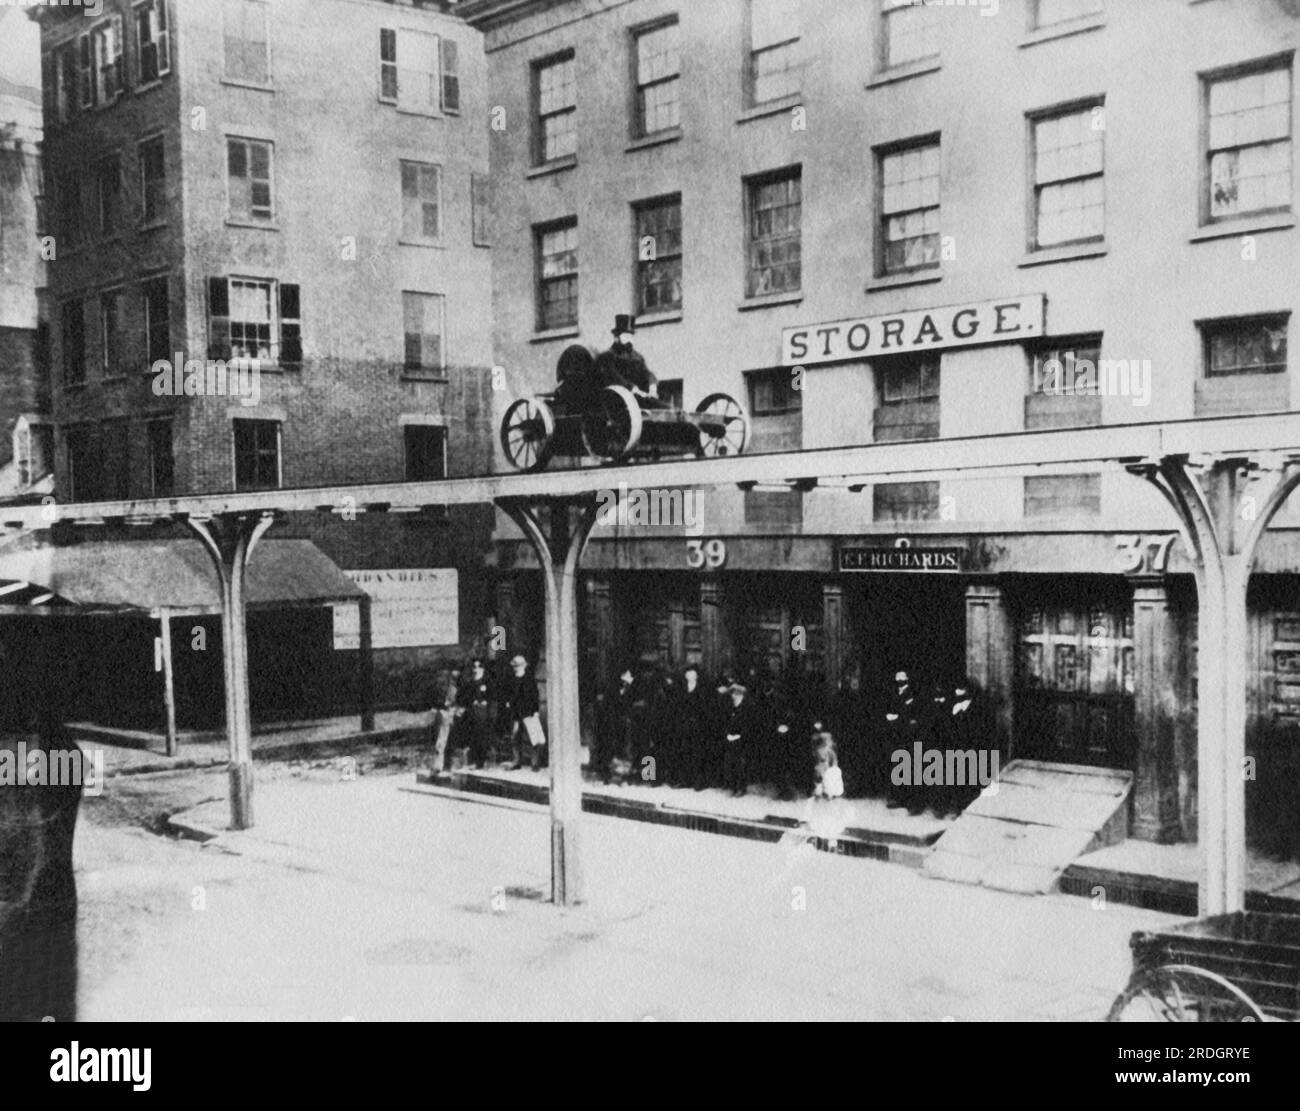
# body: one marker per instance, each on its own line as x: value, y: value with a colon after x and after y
x: 622, y: 365
x: 475, y: 697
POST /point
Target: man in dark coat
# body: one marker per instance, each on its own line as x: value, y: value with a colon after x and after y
x: 851, y: 727
x: 622, y: 365
x: 901, y: 728
x: 971, y: 729
x: 520, y: 700
x: 742, y: 739
x: 936, y: 736
x: 613, y: 718
x: 693, y: 727
x: 474, y: 697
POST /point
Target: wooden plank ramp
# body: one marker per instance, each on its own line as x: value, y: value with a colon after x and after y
x: 1040, y: 820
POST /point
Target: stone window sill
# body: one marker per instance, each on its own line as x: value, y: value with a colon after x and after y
x: 1069, y: 253
x: 905, y: 72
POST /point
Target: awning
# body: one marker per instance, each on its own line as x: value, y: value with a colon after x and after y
x: 177, y: 574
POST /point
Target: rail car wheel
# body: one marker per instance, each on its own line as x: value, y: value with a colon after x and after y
x: 1182, y: 993
x: 611, y: 428
x: 528, y: 434
x: 725, y: 427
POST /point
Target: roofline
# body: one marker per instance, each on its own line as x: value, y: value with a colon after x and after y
x: 487, y: 15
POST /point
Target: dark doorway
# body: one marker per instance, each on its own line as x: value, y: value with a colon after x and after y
x: 915, y: 623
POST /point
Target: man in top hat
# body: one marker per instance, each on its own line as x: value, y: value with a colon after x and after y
x: 622, y: 365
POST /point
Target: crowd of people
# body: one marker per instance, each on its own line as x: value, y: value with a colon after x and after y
x: 754, y: 729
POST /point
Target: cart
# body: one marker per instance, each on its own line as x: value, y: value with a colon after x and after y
x: 1239, y: 967
x: 613, y: 424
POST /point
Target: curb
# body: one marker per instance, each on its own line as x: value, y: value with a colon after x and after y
x: 890, y: 847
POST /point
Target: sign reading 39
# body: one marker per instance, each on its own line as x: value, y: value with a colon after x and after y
x: 710, y: 554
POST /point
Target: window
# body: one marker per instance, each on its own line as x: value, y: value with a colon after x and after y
x: 68, y: 198
x: 153, y: 181
x: 74, y: 343
x: 659, y: 255
x: 108, y: 181
x: 555, y: 93
x: 1069, y: 160
x: 112, y: 334
x: 422, y: 328
x: 116, y: 485
x: 65, y: 76
x: 421, y: 202
x: 248, y: 41
x: 481, y: 206
x: 1249, y: 136
x: 1048, y: 12
x: 909, y: 33
x: 426, y: 452
x: 162, y: 461
x: 257, y: 454
x: 249, y: 164
x: 774, y: 244
x: 450, y: 77
x: 388, y: 66
x: 773, y: 50
x: 905, y: 501
x: 1073, y: 495
x: 157, y: 320
x: 106, y: 44
x: 908, y: 388
x: 252, y: 318
x: 408, y: 71
x: 909, y: 208
x: 1060, y: 365
x: 153, y: 45
x: 83, y: 463
x: 658, y: 77
x: 1255, y: 345
x: 86, y: 72
x: 772, y: 392
x: 557, y: 275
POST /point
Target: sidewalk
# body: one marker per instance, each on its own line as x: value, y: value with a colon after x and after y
x: 1134, y: 873
x: 127, y: 752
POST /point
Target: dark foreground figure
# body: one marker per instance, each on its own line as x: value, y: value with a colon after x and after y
x: 38, y: 892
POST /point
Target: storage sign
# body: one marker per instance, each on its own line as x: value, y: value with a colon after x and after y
x: 1010, y: 320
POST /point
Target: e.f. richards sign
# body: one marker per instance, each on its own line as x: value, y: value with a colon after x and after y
x: 1010, y: 320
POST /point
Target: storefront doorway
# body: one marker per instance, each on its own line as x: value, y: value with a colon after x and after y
x: 1074, y: 677
x: 915, y: 623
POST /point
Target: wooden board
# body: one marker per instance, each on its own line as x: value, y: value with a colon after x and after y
x: 1043, y: 817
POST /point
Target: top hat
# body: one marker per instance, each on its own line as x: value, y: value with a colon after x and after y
x: 624, y: 323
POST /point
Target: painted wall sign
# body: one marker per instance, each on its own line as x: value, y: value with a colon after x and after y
x: 926, y: 560
x: 411, y: 607
x: 1009, y: 320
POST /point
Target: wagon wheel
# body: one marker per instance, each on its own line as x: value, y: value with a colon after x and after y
x: 729, y: 431
x: 611, y: 428
x: 1182, y: 993
x: 527, y: 434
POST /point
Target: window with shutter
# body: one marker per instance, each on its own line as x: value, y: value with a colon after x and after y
x: 153, y: 46
x: 421, y: 202
x: 290, y: 325
x: 218, y: 319
x: 86, y: 73
x: 450, y: 77
x: 481, y: 202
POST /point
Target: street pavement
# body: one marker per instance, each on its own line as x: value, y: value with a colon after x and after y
x: 368, y: 899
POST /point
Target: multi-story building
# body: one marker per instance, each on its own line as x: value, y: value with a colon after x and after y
x: 25, y: 442
x: 877, y: 220
x: 299, y: 184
